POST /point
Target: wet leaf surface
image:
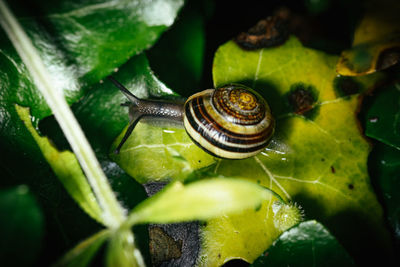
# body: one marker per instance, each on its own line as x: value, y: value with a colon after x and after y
x: 383, y: 117
x: 385, y: 169
x: 307, y: 244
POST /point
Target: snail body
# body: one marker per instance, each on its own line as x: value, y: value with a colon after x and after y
x: 232, y: 122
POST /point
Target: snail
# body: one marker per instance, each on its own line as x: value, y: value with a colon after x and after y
x: 231, y: 122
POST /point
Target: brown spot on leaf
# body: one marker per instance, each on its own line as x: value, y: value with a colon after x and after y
x: 301, y: 100
x: 345, y: 86
x: 351, y: 186
x: 333, y: 169
x: 268, y: 32
x: 162, y: 246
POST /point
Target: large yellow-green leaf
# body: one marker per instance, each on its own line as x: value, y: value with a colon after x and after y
x: 376, y: 40
x: 318, y: 156
x: 152, y: 153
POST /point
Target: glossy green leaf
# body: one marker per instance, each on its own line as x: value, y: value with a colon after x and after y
x: 318, y: 156
x: 383, y: 117
x: 82, y: 253
x: 66, y: 167
x: 178, y: 57
x: 385, y: 168
x: 200, y: 200
x: 121, y: 250
x: 21, y: 227
x: 307, y: 244
x: 376, y: 40
x: 80, y: 43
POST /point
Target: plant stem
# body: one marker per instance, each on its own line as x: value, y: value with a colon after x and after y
x: 113, y: 214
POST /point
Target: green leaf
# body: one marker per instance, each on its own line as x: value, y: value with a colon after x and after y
x: 376, y: 40
x: 80, y: 43
x: 307, y: 244
x: 67, y: 169
x: 383, y: 117
x: 318, y: 156
x: 21, y: 227
x: 385, y: 168
x: 82, y: 253
x: 200, y: 201
x: 121, y: 250
x: 178, y: 57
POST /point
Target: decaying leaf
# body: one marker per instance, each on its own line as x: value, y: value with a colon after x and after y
x: 376, y: 43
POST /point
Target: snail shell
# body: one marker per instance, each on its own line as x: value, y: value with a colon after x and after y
x: 231, y: 122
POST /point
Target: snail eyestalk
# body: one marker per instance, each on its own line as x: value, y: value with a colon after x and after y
x: 132, y: 98
x: 127, y: 134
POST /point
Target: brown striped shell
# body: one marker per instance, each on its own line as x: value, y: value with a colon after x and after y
x: 232, y: 121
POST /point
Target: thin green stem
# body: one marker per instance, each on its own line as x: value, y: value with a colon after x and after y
x: 113, y: 214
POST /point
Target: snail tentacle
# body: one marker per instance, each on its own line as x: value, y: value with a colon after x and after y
x: 128, y: 132
x: 132, y: 98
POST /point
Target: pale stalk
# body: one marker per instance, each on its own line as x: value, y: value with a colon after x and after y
x: 113, y: 214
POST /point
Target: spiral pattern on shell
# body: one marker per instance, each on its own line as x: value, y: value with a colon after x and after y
x: 231, y: 122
